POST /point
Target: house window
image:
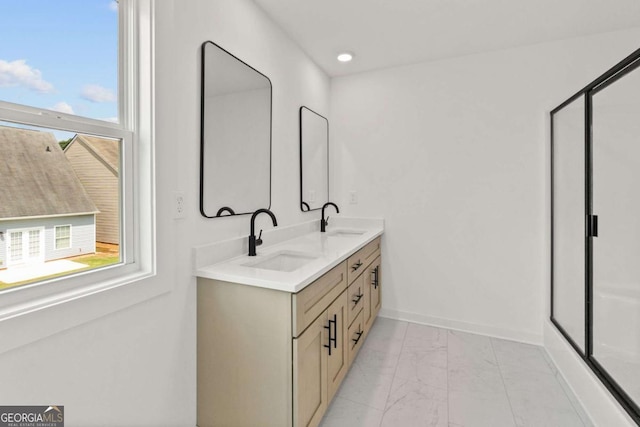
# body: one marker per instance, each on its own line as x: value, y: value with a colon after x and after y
x: 34, y: 243
x: 63, y: 236
x: 75, y: 127
x: 16, y: 246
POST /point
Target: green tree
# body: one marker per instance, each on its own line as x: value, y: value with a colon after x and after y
x: 64, y: 143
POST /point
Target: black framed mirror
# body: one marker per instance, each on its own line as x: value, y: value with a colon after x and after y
x: 235, y: 143
x: 314, y: 160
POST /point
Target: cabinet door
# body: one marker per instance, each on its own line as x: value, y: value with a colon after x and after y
x: 373, y: 293
x: 338, y: 359
x: 310, y: 373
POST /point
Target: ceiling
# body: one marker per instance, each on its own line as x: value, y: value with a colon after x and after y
x: 387, y: 33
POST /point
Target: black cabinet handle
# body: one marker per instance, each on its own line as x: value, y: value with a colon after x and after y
x: 355, y: 340
x: 357, y: 300
x: 356, y: 266
x: 335, y: 332
x: 374, y: 281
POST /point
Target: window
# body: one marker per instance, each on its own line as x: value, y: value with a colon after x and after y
x: 73, y: 116
x: 34, y: 243
x: 63, y: 236
x: 16, y: 246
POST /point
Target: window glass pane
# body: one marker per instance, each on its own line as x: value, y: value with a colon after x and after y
x: 61, y: 203
x: 34, y: 243
x: 61, y: 55
x: 16, y: 246
x: 63, y: 237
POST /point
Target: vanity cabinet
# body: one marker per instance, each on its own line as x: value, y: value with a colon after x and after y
x: 273, y: 358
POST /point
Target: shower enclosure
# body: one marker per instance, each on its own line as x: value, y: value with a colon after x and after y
x: 595, y: 227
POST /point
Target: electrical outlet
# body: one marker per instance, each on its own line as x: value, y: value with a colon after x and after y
x: 353, y: 197
x: 312, y: 196
x: 179, y: 209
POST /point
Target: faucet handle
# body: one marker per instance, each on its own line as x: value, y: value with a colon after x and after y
x: 326, y: 221
x: 259, y: 239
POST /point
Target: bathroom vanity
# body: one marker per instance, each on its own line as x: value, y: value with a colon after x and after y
x: 278, y: 332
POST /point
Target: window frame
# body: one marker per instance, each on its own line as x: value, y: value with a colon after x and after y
x: 55, y: 237
x: 135, y: 130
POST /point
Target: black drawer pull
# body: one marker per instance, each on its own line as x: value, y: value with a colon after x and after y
x: 355, y: 340
x: 356, y: 266
x: 374, y: 280
x: 357, y: 299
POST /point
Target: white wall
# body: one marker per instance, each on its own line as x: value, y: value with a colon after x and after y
x: 136, y: 365
x: 454, y: 155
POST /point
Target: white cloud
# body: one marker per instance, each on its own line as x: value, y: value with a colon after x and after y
x: 113, y: 5
x: 97, y: 93
x: 63, y: 107
x: 18, y: 73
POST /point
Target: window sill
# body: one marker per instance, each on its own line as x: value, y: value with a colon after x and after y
x: 21, y: 324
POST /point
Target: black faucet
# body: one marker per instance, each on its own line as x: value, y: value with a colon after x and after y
x: 253, y: 242
x: 325, y: 222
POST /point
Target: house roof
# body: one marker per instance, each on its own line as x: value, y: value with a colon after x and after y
x: 106, y: 150
x: 36, y: 179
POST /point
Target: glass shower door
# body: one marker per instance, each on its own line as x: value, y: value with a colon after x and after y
x: 568, y: 210
x: 615, y: 107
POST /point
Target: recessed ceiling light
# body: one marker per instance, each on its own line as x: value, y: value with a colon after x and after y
x: 345, y: 56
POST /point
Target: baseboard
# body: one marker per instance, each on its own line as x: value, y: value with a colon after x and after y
x: 491, y: 331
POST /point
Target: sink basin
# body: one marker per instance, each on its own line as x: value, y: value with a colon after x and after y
x: 285, y: 261
x: 346, y: 232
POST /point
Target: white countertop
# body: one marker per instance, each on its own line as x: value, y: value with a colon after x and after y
x: 327, y: 250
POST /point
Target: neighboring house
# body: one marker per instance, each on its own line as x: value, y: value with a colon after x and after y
x: 45, y: 213
x: 96, y: 162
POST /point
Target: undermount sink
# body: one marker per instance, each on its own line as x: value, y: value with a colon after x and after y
x: 285, y: 261
x: 346, y: 232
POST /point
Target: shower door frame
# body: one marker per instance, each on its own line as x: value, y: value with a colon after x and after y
x: 630, y: 63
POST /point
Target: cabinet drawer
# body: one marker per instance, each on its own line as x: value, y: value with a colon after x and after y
x: 359, y: 261
x: 355, y: 336
x: 356, y: 296
x: 316, y: 297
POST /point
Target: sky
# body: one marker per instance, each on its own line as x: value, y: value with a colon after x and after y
x: 60, y: 55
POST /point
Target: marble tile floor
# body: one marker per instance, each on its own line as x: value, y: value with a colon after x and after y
x: 410, y: 375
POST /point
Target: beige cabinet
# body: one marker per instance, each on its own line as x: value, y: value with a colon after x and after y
x: 320, y: 363
x: 273, y: 358
x: 310, y: 373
